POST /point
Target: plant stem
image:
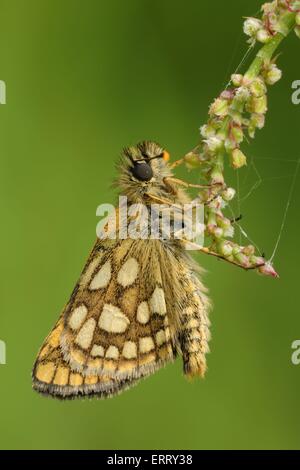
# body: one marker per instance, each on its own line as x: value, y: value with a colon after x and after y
x: 266, y: 52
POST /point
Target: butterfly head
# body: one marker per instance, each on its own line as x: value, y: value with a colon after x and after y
x: 144, y: 168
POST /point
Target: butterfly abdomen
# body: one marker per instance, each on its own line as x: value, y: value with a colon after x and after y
x: 195, y: 335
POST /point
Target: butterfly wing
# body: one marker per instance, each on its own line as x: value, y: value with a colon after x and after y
x: 53, y: 376
x: 115, y: 328
x: 117, y: 321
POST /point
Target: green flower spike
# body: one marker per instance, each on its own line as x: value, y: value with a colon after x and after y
x: 240, y: 110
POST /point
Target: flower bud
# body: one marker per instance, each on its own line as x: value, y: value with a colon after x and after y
x: 273, y: 21
x: 237, y: 79
x: 249, y: 250
x: 236, y: 117
x: 227, y: 94
x: 219, y: 107
x: 225, y: 249
x: 218, y: 232
x: 192, y: 160
x: 257, y: 261
x: 273, y: 75
x: 251, y: 131
x: 229, y: 232
x: 298, y: 18
x: 263, y: 36
x: 223, y: 222
x: 236, y: 249
x: 282, y: 3
x: 243, y: 260
x: 258, y: 120
x: 258, y: 88
x: 207, y: 131
x: 229, y: 145
x: 242, y: 93
x: 258, y: 105
x: 268, y: 8
x: 228, y: 194
x: 238, y: 159
x: 268, y: 270
x: 252, y: 26
x: 237, y: 134
x: 217, y: 203
x: 214, y: 144
x: 247, y: 80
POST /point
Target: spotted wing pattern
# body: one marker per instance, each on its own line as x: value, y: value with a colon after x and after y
x: 115, y: 328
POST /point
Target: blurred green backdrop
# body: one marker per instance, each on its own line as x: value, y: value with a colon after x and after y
x: 83, y: 80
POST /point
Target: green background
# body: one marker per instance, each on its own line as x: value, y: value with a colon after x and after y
x: 83, y: 80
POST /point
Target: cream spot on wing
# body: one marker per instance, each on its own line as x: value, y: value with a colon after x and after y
x: 157, y: 302
x: 45, y: 372
x: 102, y: 278
x: 85, y: 335
x: 147, y: 359
x: 54, y: 337
x: 146, y: 344
x: 126, y: 366
x: 160, y: 337
x: 112, y: 353
x: 91, y: 380
x: 113, y: 320
x: 94, y: 363
x: 77, y: 356
x: 97, y: 351
x: 86, y: 276
x: 44, y: 351
x: 143, y: 314
x: 77, y: 317
x: 76, y: 380
x: 128, y: 273
x: 61, y: 376
x: 109, y: 366
x: 129, y: 350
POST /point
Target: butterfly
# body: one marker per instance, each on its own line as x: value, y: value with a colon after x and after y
x: 137, y: 305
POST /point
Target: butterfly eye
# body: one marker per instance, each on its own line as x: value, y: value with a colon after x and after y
x: 142, y: 171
